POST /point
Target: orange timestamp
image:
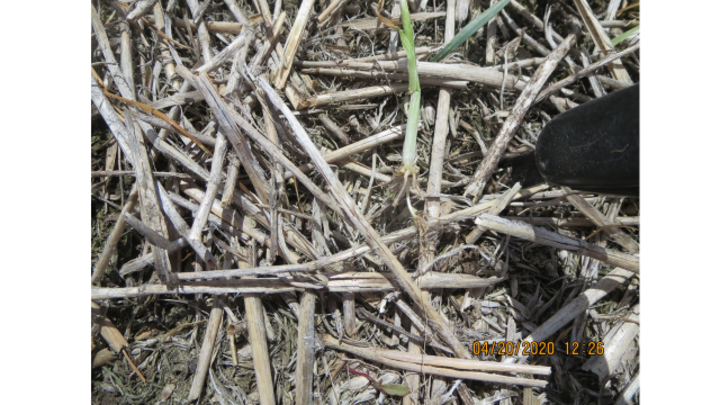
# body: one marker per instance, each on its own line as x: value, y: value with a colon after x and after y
x: 537, y: 348
x: 514, y: 348
x: 590, y: 348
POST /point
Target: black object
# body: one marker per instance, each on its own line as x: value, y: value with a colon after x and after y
x: 594, y: 147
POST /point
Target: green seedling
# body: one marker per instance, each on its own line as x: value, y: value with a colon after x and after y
x: 470, y: 29
x: 408, y: 42
x: 624, y: 36
x: 408, y: 168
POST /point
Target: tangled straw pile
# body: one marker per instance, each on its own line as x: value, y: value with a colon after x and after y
x: 248, y: 240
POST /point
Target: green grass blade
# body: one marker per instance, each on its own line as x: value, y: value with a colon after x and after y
x: 408, y: 43
x: 407, y: 22
x: 409, y: 47
x: 624, y: 36
x: 470, y: 29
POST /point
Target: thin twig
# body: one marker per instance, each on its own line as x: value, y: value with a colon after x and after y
x: 258, y: 340
x: 545, y: 237
x: 206, y: 351
x: 306, y: 350
x: 522, y: 105
x: 584, y: 72
x: 113, y: 238
x: 293, y: 42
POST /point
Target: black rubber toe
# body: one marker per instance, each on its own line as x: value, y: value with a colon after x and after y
x: 596, y: 146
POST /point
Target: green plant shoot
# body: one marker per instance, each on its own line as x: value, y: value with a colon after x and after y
x: 408, y: 169
x: 408, y: 43
x: 624, y: 36
x: 470, y: 29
